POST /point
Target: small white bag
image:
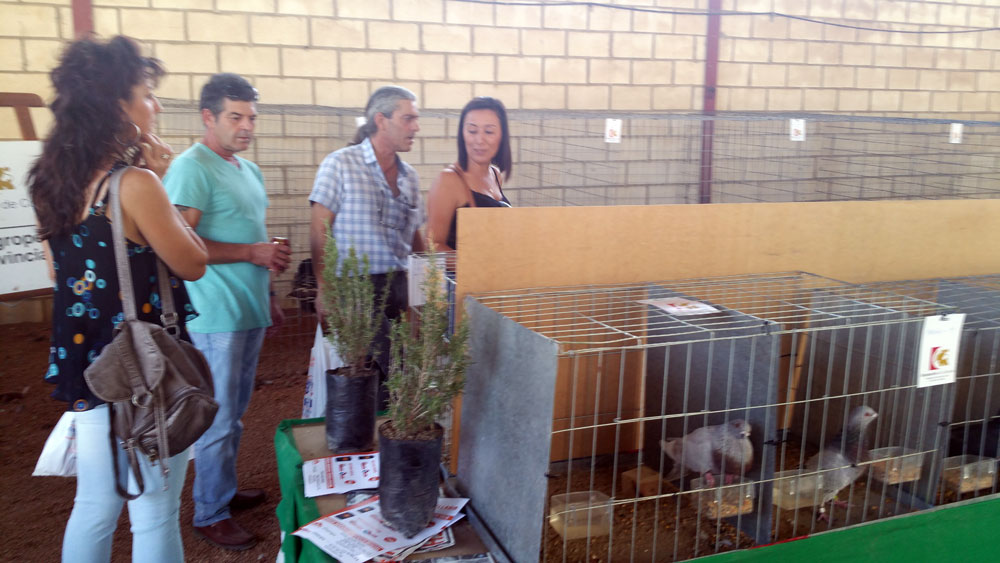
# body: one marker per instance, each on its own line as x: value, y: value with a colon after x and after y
x: 58, y: 457
x: 322, y: 358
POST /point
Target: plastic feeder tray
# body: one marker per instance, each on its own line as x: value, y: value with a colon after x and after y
x: 580, y: 515
x: 723, y: 501
x: 792, y: 491
x: 896, y: 465
x: 967, y: 473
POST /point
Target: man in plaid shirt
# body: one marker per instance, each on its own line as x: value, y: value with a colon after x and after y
x: 371, y: 199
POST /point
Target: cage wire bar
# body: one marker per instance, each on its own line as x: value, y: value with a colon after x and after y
x: 606, y: 373
x: 970, y: 469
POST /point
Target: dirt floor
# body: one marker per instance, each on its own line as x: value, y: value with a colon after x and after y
x: 35, y: 509
x: 646, y: 530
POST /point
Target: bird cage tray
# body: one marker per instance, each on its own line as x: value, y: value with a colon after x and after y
x: 967, y: 473
x: 580, y: 515
x: 793, y: 490
x: 722, y: 501
x: 894, y: 465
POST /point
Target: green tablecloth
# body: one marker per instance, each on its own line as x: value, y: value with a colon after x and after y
x: 299, y: 440
x: 294, y: 510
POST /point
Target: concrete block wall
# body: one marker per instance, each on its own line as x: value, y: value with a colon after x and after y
x: 634, y: 57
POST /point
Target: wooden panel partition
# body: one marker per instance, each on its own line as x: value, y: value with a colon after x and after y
x: 851, y: 241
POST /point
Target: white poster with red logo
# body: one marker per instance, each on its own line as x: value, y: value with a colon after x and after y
x: 358, y: 532
x: 938, y: 349
x: 680, y: 307
x: 340, y: 474
x: 22, y: 260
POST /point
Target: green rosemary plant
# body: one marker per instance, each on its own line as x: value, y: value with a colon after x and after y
x: 352, y: 310
x: 428, y: 369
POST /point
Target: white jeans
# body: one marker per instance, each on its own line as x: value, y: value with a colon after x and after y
x: 156, y: 534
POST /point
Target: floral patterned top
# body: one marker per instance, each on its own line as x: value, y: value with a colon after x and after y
x: 86, y: 305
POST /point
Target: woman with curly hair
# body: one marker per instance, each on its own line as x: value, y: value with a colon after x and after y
x: 105, y: 116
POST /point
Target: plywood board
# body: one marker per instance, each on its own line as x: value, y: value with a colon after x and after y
x: 852, y: 241
x: 593, y: 390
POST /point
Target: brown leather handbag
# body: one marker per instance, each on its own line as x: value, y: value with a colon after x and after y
x: 159, y: 387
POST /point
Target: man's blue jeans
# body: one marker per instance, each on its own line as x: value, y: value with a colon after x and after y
x: 232, y: 356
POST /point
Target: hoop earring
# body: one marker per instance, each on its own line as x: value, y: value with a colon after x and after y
x: 138, y: 135
x: 130, y: 149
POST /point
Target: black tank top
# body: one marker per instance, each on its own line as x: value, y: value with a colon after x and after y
x: 481, y: 200
x: 86, y: 306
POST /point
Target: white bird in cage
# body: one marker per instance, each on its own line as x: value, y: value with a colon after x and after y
x: 722, y: 449
x: 840, y: 457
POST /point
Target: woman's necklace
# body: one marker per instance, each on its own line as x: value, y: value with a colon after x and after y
x: 484, y: 184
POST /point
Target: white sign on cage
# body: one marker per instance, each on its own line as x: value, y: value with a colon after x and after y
x: 938, y: 349
x: 955, y: 134
x: 416, y: 268
x: 612, y: 130
x: 797, y: 129
x: 680, y: 307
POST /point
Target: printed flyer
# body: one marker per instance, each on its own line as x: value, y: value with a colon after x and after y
x: 358, y: 533
x: 340, y: 474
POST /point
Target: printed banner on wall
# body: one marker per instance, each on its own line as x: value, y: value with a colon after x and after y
x: 22, y: 261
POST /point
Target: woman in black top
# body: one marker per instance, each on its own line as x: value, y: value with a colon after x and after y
x: 105, y: 115
x: 476, y: 180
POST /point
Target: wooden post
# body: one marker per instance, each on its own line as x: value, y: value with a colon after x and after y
x: 21, y: 101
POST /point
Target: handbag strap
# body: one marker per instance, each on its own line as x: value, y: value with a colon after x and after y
x: 169, y: 313
x: 169, y: 319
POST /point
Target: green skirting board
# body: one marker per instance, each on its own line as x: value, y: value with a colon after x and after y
x: 956, y: 532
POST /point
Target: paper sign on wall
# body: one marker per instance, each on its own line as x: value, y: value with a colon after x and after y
x: 938, y: 349
x: 612, y: 130
x: 22, y: 260
x: 797, y: 129
x: 955, y: 135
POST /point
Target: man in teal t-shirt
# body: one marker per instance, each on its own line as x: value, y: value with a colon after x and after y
x: 222, y: 197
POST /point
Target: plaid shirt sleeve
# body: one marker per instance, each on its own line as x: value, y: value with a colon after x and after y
x: 328, y: 187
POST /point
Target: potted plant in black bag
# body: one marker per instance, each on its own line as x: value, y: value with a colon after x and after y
x: 353, y: 313
x: 426, y: 374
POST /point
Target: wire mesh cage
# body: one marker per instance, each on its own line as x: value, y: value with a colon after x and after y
x: 970, y: 469
x: 582, y: 399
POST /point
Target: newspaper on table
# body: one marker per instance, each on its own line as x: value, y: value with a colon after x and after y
x: 340, y: 473
x: 442, y: 540
x: 358, y: 533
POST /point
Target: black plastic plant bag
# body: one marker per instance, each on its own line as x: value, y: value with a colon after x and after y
x: 350, y: 411
x: 408, y: 482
